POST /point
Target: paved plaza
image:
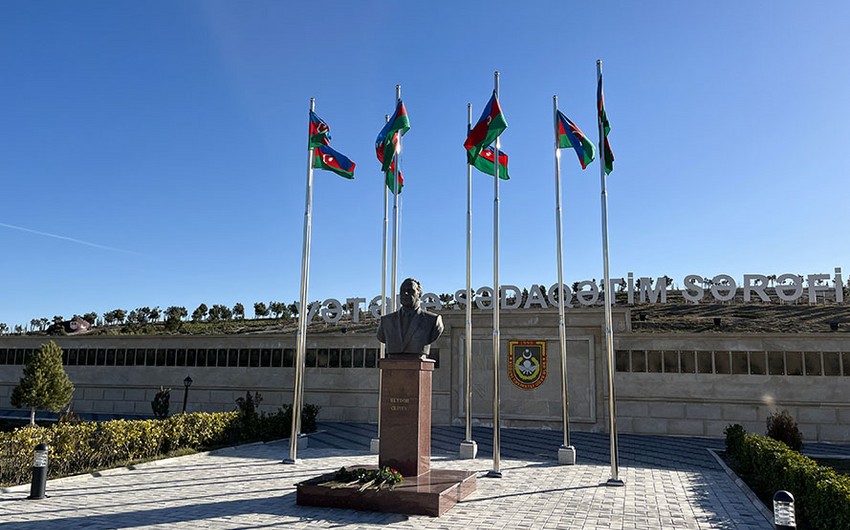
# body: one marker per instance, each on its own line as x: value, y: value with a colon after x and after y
x: 671, y: 483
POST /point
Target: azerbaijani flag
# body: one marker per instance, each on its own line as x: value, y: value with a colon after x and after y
x: 387, y: 140
x: 484, y: 162
x: 606, y: 127
x: 391, y: 179
x: 326, y: 158
x: 569, y: 135
x: 490, y: 125
x: 320, y: 133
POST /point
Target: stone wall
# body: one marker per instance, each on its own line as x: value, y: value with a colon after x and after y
x: 666, y: 383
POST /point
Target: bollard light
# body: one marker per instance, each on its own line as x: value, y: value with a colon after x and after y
x: 783, y: 511
x: 186, y: 384
x: 39, y: 473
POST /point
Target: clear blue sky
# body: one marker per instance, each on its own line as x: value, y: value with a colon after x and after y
x: 154, y: 153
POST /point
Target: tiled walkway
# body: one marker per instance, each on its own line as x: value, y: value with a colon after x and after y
x: 671, y: 483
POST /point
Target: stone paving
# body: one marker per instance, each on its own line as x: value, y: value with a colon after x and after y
x: 248, y: 487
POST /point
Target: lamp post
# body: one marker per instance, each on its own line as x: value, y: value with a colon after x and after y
x: 186, y: 384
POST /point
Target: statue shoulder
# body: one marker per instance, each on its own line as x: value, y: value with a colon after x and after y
x: 430, y: 315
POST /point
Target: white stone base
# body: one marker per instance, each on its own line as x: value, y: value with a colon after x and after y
x: 468, y: 449
x: 375, y: 446
x: 566, y: 456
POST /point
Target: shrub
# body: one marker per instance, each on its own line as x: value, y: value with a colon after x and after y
x: 272, y: 426
x: 161, y: 402
x: 822, y: 496
x: 734, y: 437
x: 781, y: 426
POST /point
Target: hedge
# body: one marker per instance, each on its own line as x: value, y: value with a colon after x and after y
x: 77, y: 447
x: 821, y: 494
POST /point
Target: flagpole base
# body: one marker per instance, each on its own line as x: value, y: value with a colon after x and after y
x: 615, y: 482
x: 468, y: 449
x: 566, y: 455
x: 493, y: 474
x: 289, y: 461
x: 375, y: 446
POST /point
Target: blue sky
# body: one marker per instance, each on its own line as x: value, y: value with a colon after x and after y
x: 153, y: 153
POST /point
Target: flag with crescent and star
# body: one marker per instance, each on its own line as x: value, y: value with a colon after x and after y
x: 570, y: 136
x: 606, y: 127
x: 485, y: 159
x: 390, y: 171
x: 320, y: 133
x: 387, y: 140
x: 326, y: 158
x: 490, y: 125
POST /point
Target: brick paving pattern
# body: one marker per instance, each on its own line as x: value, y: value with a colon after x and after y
x: 671, y: 483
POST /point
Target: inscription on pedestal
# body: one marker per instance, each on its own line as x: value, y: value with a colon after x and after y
x: 399, y: 404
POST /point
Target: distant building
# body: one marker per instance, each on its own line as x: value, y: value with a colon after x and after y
x: 71, y: 327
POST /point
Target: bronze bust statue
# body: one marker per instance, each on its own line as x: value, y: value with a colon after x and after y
x: 411, y: 329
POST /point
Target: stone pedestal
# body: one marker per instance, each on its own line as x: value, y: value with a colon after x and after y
x: 404, y: 444
x: 406, y: 414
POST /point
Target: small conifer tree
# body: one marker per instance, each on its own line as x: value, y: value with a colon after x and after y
x: 45, y: 385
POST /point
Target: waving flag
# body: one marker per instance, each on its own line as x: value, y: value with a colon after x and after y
x: 326, y: 158
x: 391, y: 179
x: 320, y: 133
x: 569, y: 135
x: 606, y: 127
x: 387, y: 140
x: 485, y: 159
x: 490, y: 125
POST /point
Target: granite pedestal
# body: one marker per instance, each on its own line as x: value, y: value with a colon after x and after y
x: 405, y: 445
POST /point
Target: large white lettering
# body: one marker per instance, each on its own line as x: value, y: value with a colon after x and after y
x: 723, y: 288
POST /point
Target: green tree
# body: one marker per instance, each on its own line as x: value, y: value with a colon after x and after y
x: 260, y: 310
x: 278, y: 308
x: 199, y: 313
x: 220, y: 312
x: 293, y: 309
x: 239, y: 311
x: 116, y: 316
x: 58, y: 319
x: 3, y: 328
x: 44, y: 385
x: 174, y: 316
x: 155, y: 314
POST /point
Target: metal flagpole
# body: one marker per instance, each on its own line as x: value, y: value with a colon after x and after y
x: 395, y: 209
x: 497, y: 299
x: 303, y: 310
x: 375, y: 446
x: 609, y: 336
x: 468, y: 448
x: 566, y: 453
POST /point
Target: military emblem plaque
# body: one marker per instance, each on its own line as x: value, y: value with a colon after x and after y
x: 527, y: 363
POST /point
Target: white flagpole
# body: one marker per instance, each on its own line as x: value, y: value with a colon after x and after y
x: 397, y: 156
x: 497, y: 300
x: 375, y: 442
x: 468, y: 448
x: 566, y: 453
x: 609, y: 335
x: 303, y: 310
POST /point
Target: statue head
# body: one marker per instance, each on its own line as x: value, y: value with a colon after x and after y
x: 409, y: 293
